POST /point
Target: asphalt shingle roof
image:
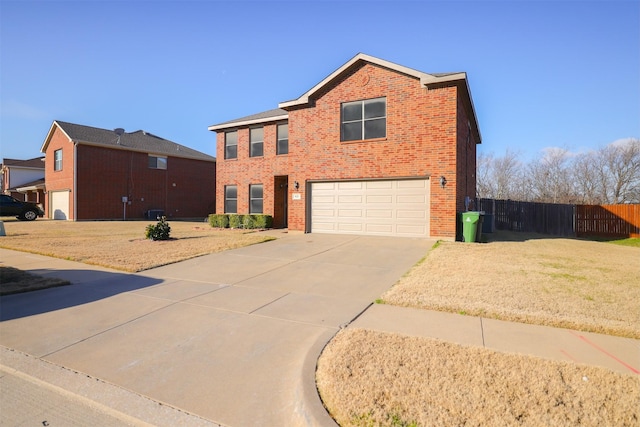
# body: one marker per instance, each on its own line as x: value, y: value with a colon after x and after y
x: 36, y: 163
x: 135, y: 141
x: 263, y: 116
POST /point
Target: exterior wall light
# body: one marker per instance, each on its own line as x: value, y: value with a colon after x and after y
x: 296, y: 184
x: 443, y: 181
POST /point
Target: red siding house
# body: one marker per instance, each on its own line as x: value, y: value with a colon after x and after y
x: 375, y: 148
x: 93, y: 173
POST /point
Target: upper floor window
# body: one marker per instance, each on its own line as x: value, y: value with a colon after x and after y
x: 57, y: 160
x: 157, y: 162
x: 231, y: 145
x: 230, y: 199
x: 256, y: 142
x: 255, y: 199
x: 282, y: 146
x: 363, y: 120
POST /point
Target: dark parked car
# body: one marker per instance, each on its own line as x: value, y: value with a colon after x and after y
x: 24, y: 211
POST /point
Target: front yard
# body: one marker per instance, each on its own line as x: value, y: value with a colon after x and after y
x: 122, y: 244
x: 369, y: 378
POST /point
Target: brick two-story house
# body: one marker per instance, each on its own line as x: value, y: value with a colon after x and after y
x: 374, y: 148
x: 94, y: 173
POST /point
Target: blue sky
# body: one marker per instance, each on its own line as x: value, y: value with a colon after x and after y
x: 542, y: 74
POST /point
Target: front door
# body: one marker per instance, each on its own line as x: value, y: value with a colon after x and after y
x: 281, y: 195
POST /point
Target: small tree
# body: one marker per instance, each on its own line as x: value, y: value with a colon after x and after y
x: 160, y: 231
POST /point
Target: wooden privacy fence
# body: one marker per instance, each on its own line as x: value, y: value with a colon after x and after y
x: 561, y: 219
x: 608, y: 220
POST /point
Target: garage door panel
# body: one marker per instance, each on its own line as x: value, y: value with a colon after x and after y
x: 409, y: 214
x: 350, y: 198
x: 379, y: 213
x: 325, y: 199
x: 371, y: 207
x: 379, y: 198
x: 375, y: 185
x: 350, y: 213
x: 350, y: 185
x: 324, y: 185
x: 350, y: 227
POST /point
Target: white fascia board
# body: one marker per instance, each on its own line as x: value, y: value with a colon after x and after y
x: 248, y: 122
x: 304, y: 99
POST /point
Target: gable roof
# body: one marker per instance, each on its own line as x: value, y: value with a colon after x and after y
x: 427, y: 80
x: 360, y: 58
x: 266, y: 116
x: 35, y: 163
x: 139, y: 140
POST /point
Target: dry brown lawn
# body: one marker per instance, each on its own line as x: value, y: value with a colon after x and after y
x: 578, y: 284
x: 369, y: 379
x: 122, y: 244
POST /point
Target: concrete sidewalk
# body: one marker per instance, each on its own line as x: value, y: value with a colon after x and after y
x: 615, y: 353
x: 232, y: 338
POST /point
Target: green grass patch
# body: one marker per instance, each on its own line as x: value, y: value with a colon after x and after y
x: 632, y: 241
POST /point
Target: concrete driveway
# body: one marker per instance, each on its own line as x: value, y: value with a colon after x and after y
x: 230, y: 337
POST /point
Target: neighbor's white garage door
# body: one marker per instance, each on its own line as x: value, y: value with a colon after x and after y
x: 384, y: 208
x: 59, y: 205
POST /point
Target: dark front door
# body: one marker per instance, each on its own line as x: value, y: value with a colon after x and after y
x: 281, y: 195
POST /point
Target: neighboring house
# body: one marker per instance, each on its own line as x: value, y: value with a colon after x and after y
x: 24, y: 179
x: 375, y: 148
x: 94, y: 173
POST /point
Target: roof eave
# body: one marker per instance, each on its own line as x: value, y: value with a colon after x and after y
x: 361, y: 57
x: 248, y: 122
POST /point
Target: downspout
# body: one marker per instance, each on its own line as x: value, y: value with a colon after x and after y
x: 75, y: 180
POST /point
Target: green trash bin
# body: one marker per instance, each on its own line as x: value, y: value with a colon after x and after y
x: 470, y: 224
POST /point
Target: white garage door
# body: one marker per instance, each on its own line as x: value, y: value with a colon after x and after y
x: 59, y: 205
x: 384, y: 208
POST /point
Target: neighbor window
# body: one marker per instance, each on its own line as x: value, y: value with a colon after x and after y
x: 230, y: 199
x: 283, y: 139
x: 256, y: 138
x: 157, y: 162
x: 231, y: 145
x: 57, y: 160
x: 255, y: 199
x: 364, y: 120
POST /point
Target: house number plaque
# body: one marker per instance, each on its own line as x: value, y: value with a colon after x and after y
x: 296, y: 196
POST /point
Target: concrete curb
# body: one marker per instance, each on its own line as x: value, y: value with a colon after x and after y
x: 93, y: 399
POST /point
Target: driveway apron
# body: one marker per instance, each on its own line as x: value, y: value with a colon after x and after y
x: 232, y: 337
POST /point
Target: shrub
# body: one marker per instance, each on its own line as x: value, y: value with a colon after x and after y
x: 160, y: 231
x: 235, y: 221
x: 264, y: 221
x: 249, y: 222
x: 219, y: 220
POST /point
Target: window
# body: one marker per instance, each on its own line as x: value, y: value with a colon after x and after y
x: 230, y: 199
x: 256, y: 137
x: 231, y: 145
x: 57, y: 160
x: 282, y: 146
x: 156, y: 162
x: 364, y: 120
x: 255, y: 199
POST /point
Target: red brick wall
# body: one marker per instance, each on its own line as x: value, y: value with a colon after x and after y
x: 423, y: 127
x: 186, y: 189
x: 246, y: 170
x: 61, y: 180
